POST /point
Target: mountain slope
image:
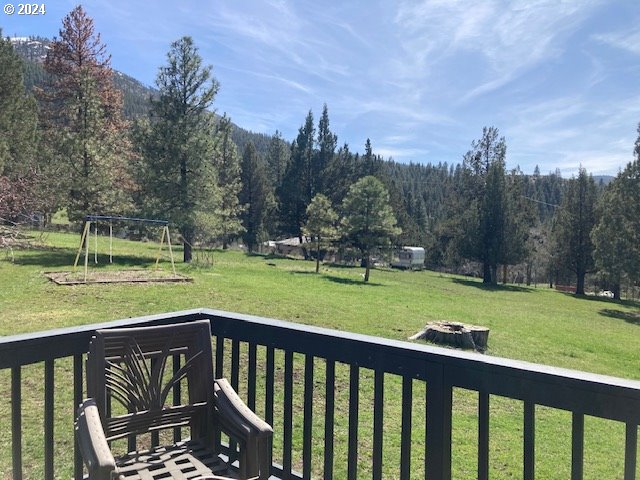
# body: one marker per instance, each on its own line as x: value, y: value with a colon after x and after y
x: 136, y: 95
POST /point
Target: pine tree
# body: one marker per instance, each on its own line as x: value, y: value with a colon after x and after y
x: 368, y: 220
x: 617, y: 232
x: 18, y: 140
x: 483, y: 210
x: 327, y: 142
x: 278, y: 158
x: 181, y: 180
x: 256, y: 198
x: 370, y: 164
x: 320, y: 225
x: 83, y: 119
x: 297, y: 187
x: 229, y: 183
x: 574, y: 221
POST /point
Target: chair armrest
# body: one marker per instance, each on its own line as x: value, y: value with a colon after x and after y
x: 234, y: 412
x: 241, y: 424
x: 93, y: 444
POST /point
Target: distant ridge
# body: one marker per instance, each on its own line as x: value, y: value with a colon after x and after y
x: 136, y: 95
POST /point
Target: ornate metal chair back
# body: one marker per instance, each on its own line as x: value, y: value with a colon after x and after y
x: 132, y: 373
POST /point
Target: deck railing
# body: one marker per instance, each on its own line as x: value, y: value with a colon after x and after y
x: 293, y: 375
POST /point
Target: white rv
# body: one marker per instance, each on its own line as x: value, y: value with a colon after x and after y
x: 410, y: 257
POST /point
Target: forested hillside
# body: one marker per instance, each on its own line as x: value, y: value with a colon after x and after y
x: 78, y: 136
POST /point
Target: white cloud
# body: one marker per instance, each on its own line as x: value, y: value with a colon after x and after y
x: 628, y: 40
x: 509, y: 37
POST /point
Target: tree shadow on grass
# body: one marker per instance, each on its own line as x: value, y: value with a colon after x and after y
x: 66, y: 258
x: 47, y: 258
x: 350, y: 281
x: 335, y: 279
x: 629, y: 317
x: 490, y: 288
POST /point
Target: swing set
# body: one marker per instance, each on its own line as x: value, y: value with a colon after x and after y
x: 90, y: 220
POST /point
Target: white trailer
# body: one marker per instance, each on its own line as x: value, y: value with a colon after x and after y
x: 410, y: 258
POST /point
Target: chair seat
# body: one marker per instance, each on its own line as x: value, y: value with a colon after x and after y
x: 183, y: 461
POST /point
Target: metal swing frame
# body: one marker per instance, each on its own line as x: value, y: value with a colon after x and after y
x: 86, y: 232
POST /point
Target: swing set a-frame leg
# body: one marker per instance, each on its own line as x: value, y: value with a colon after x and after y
x: 165, y: 233
x: 82, y: 240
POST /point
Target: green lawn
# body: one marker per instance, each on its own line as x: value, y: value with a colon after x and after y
x: 533, y: 324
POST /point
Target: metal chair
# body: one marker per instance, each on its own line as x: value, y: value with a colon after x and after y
x: 130, y: 375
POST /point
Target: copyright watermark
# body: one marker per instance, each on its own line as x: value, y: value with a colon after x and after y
x: 29, y: 9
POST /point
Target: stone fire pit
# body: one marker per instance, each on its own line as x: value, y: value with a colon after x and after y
x: 455, y: 334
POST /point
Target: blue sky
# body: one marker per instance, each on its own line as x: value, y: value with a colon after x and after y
x: 560, y: 79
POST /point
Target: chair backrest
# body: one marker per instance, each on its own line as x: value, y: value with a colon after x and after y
x: 131, y: 373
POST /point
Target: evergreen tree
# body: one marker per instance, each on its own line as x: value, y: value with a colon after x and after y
x: 18, y: 140
x: 181, y: 180
x: 297, y: 187
x: 320, y: 225
x: 327, y: 142
x: 370, y: 164
x: 83, y: 119
x: 256, y: 198
x: 342, y: 172
x: 574, y: 221
x: 229, y: 183
x: 483, y: 214
x: 520, y: 218
x: 616, y: 235
x: 368, y: 220
x: 278, y: 158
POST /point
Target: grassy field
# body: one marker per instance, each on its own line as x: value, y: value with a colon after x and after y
x: 533, y: 324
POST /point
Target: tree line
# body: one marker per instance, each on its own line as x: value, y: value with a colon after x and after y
x: 67, y: 143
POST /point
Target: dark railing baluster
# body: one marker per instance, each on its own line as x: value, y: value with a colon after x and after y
x: 177, y: 396
x: 77, y: 399
x: 288, y: 414
x: 378, y: 425
x: 16, y: 422
x: 354, y: 399
x: 329, y: 413
x: 577, y: 446
x: 483, y: 435
x: 529, y: 440
x: 630, y: 449
x: 219, y: 373
x: 251, y: 380
x: 268, y: 386
x: 308, y: 417
x: 405, y: 435
x: 48, y: 418
x: 438, y: 436
x: 235, y: 365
